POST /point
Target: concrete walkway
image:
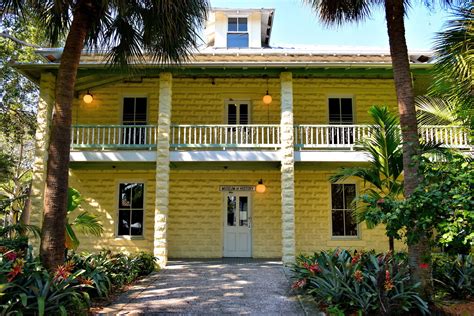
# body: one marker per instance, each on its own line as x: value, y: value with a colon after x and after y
x: 206, y: 287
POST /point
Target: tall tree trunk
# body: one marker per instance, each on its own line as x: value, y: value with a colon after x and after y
x: 53, y: 232
x: 420, y: 252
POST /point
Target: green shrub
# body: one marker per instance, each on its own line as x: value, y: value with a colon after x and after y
x: 455, y: 275
x: 19, y: 243
x: 360, y: 282
x: 144, y: 263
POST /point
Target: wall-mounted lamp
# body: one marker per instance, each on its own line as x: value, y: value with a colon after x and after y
x: 260, y: 188
x: 88, y: 98
x: 267, y: 98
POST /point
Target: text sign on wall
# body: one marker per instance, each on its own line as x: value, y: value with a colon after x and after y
x: 231, y: 188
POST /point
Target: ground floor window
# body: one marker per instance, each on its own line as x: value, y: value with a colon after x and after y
x: 343, y: 222
x: 131, y: 209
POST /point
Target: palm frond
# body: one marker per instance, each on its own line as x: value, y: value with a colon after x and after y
x: 88, y: 224
x: 20, y: 229
x: 436, y: 111
x: 337, y: 12
x: 367, y: 174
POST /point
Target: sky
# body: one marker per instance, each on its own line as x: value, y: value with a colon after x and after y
x: 295, y: 24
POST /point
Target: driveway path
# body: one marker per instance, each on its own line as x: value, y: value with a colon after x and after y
x: 204, y: 287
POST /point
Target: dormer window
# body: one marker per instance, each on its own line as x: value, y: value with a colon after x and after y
x: 237, y: 33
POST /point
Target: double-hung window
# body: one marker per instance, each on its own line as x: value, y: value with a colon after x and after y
x: 237, y: 33
x: 343, y: 222
x: 131, y: 209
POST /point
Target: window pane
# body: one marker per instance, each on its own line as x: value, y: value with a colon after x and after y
x: 124, y: 222
x: 238, y: 40
x: 242, y: 24
x: 232, y: 27
x: 231, y: 114
x: 337, y: 196
x: 338, y: 223
x: 125, y: 195
x: 351, y: 225
x: 334, y: 111
x: 349, y: 195
x: 346, y: 110
x: 131, y: 195
x: 137, y: 222
x: 128, y: 110
x: 244, y: 114
x: 140, y: 111
x: 137, y: 195
x: 231, y: 208
x: 243, y: 209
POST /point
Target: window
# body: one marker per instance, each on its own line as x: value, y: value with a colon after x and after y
x: 238, y: 113
x: 131, y: 209
x: 343, y: 222
x: 340, y: 113
x: 237, y: 34
x: 134, y: 113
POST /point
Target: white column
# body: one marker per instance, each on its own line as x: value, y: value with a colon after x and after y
x: 287, y: 169
x: 162, y: 169
x: 43, y: 119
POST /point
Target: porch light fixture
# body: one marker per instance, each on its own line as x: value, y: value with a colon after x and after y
x: 260, y: 188
x: 88, y: 98
x: 267, y: 98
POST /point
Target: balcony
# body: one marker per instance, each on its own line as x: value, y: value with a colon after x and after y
x: 244, y: 137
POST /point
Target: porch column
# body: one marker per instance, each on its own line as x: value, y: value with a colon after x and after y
x: 43, y: 120
x: 162, y: 169
x: 287, y: 169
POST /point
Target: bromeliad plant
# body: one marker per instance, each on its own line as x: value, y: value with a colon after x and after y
x: 359, y: 282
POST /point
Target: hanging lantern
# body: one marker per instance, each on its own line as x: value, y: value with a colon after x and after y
x: 88, y: 98
x: 260, y: 188
x: 267, y: 99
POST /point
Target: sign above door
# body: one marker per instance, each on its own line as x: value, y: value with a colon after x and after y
x: 236, y: 188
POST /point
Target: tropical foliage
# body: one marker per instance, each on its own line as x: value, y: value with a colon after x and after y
x: 85, y: 222
x: 454, y: 275
x: 362, y: 282
x: 26, y: 287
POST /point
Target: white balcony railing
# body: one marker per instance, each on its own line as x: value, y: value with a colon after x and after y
x: 113, y: 136
x: 343, y: 137
x: 329, y: 136
x: 225, y: 136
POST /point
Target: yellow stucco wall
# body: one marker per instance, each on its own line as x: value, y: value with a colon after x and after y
x: 106, y: 108
x: 202, y: 100
x: 310, y: 97
x: 100, y: 192
x: 197, y: 213
x: 313, y: 215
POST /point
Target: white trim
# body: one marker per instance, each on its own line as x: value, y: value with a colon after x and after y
x: 249, y: 214
x: 238, y: 102
x: 225, y: 155
x: 110, y: 156
x: 331, y: 156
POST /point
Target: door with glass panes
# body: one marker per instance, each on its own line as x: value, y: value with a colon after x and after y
x: 237, y: 225
x: 134, y: 114
x: 237, y: 113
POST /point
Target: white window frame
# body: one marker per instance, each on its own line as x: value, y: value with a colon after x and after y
x: 341, y: 96
x: 237, y: 32
x: 336, y: 237
x: 237, y: 102
x: 117, y: 213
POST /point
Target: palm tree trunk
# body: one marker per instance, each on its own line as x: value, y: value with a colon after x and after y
x: 391, y: 244
x: 55, y: 201
x: 420, y: 252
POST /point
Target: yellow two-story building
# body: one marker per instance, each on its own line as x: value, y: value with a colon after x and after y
x: 229, y: 154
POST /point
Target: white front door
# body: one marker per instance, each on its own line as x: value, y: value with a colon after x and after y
x: 237, y: 224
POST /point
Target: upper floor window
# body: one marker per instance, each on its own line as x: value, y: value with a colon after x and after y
x: 238, y: 113
x: 343, y: 222
x: 340, y: 111
x: 131, y: 209
x: 237, y: 33
x: 134, y: 111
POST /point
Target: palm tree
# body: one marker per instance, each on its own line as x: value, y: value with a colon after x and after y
x: 166, y: 30
x: 339, y: 11
x: 385, y: 170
